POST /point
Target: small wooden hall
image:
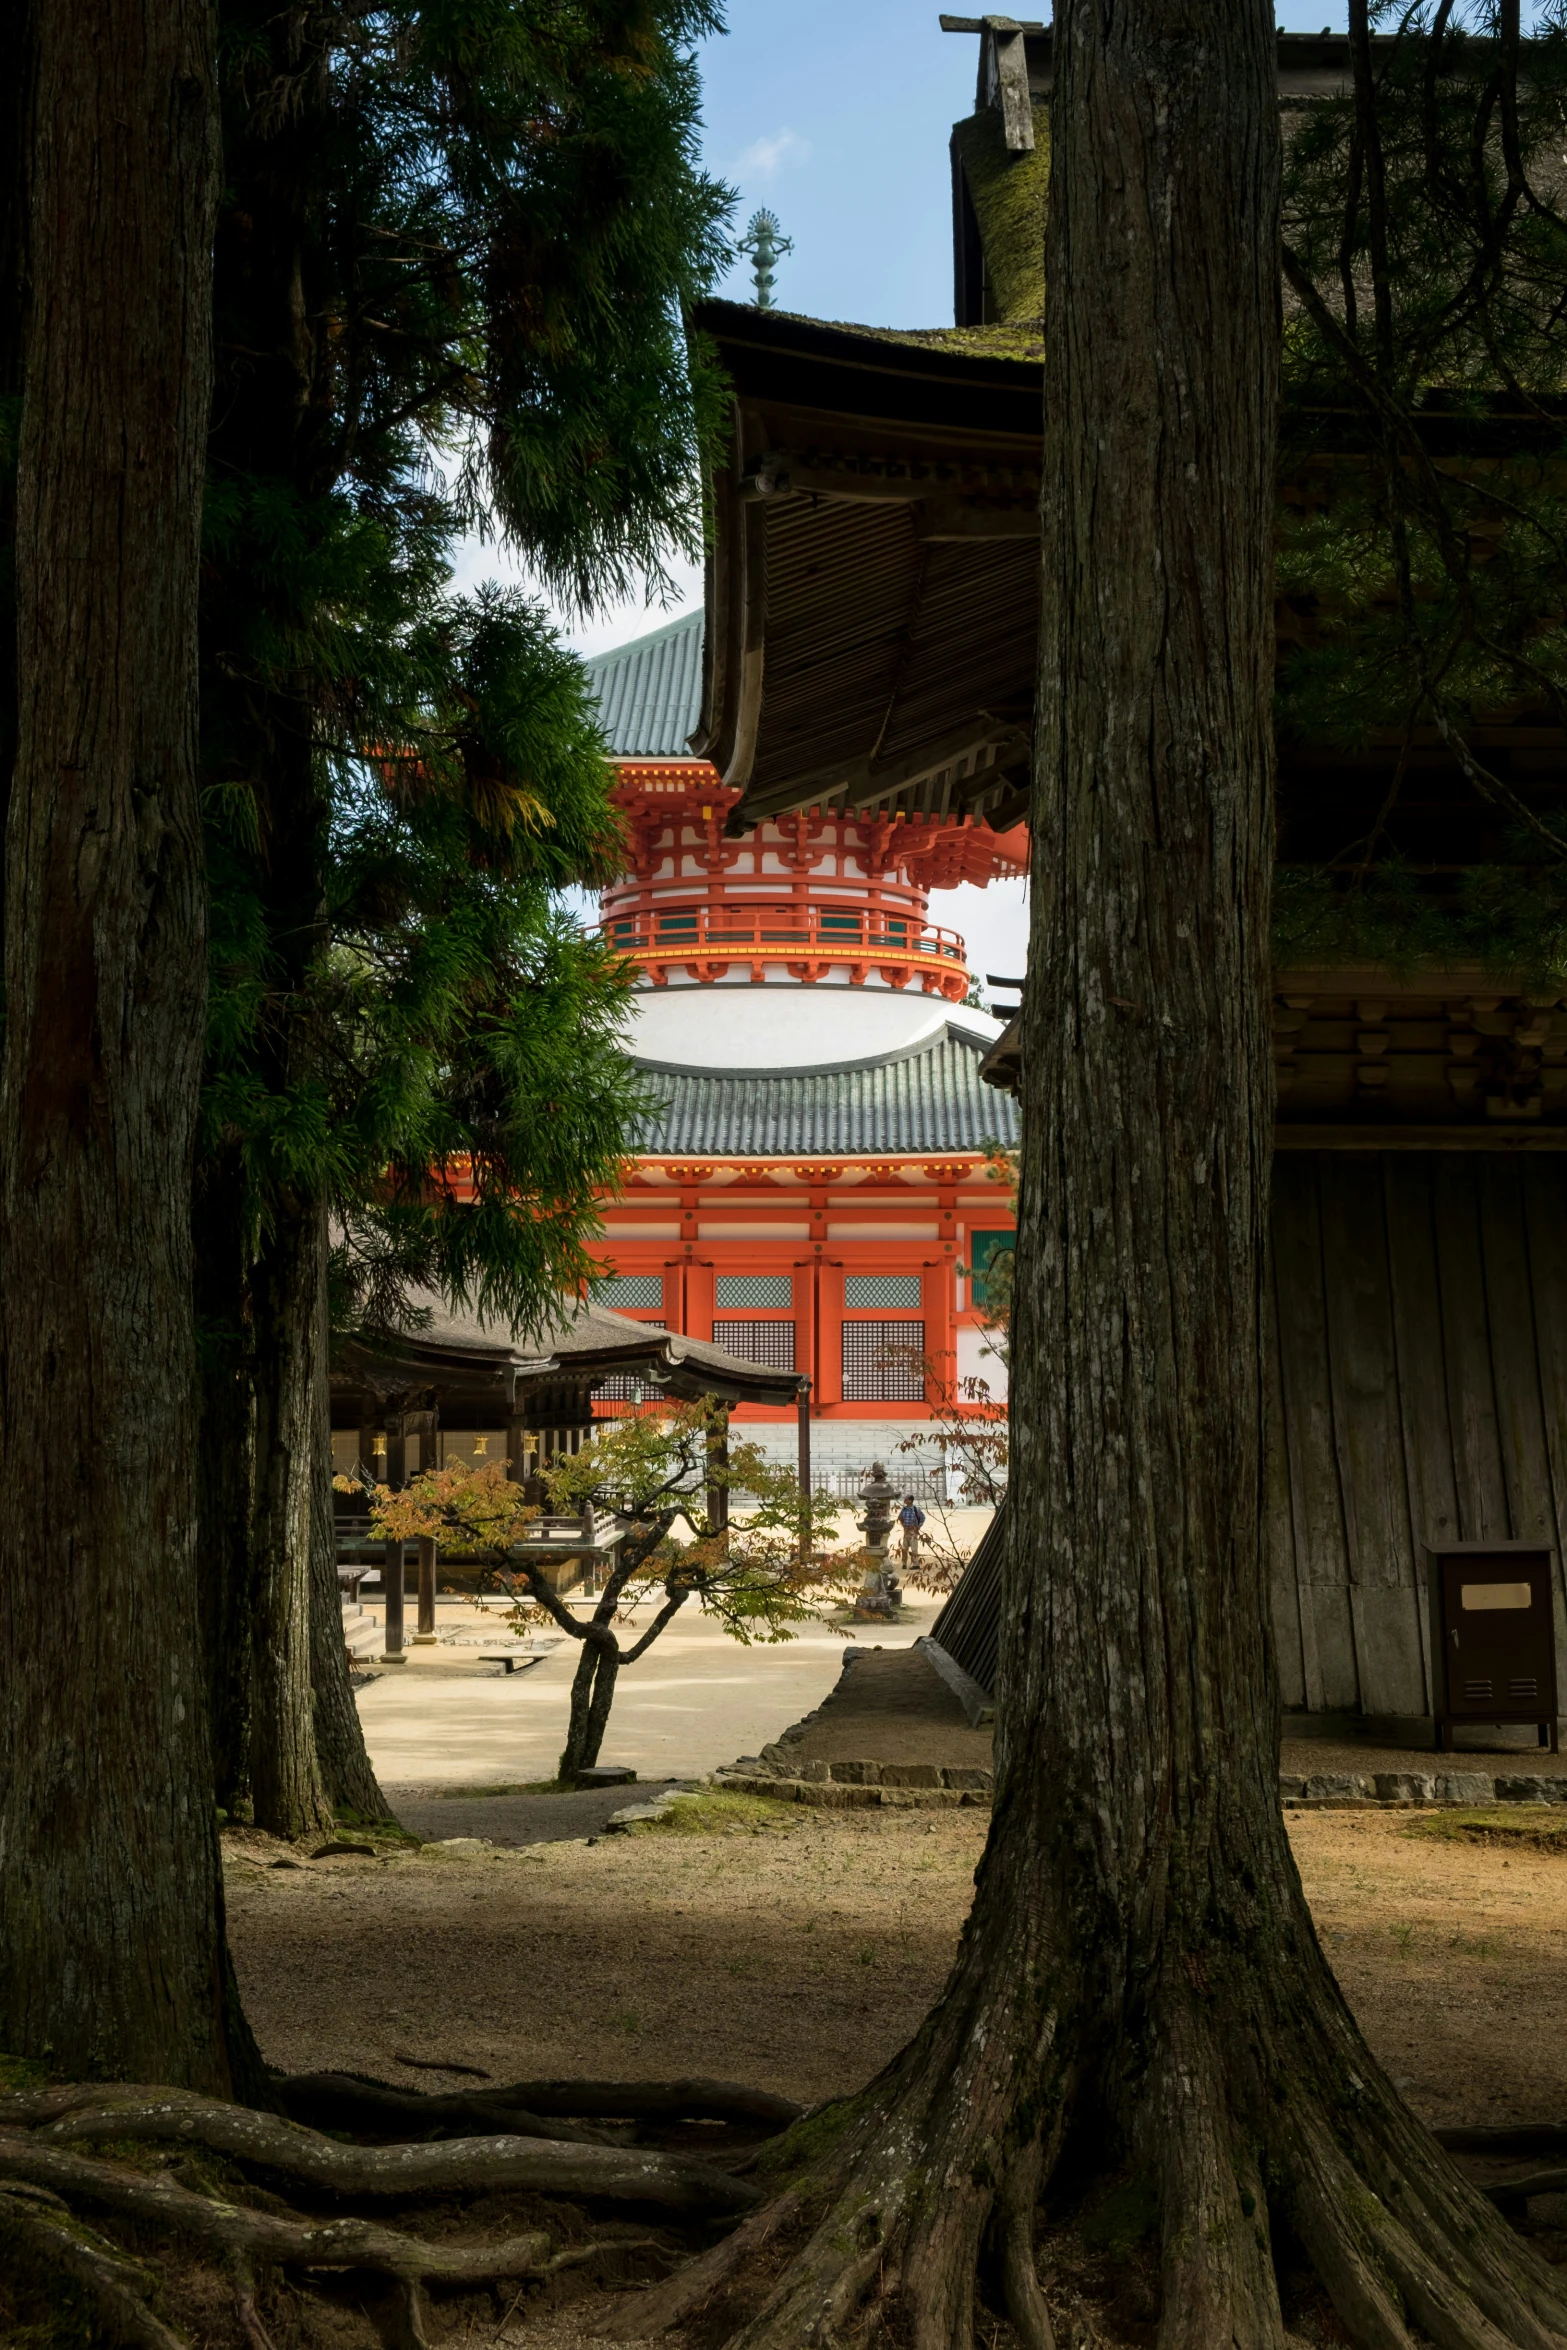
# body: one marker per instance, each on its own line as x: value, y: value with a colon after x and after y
x: 451, y: 1388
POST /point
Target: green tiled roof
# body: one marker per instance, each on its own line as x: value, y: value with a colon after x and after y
x: 650, y: 691
x: 927, y: 1097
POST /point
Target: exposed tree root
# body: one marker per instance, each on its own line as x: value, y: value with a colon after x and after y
x: 262, y: 2235
x: 658, y: 2308
x: 528, y: 2109
x: 341, y: 2101
x: 934, y: 2184
x: 692, y: 2101
x: 472, y: 2165
x: 1504, y: 2138
x: 242, y: 2277
x: 1508, y: 2194
x: 45, y: 2226
x: 46, y: 2180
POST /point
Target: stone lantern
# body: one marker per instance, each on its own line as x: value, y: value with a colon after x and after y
x: 880, y: 1593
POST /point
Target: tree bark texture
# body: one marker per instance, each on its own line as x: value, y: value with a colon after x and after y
x: 16, y: 56
x: 224, y: 1463
x: 1139, y: 1989
x: 351, y: 1785
x: 592, y: 1695
x: 273, y: 443
x: 112, y: 1959
x: 292, y: 1416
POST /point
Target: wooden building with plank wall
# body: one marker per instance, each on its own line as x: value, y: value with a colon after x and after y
x: 871, y: 643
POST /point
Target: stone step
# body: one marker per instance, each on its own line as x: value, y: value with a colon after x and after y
x: 362, y: 1635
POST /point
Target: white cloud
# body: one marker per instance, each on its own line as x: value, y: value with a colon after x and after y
x: 764, y: 158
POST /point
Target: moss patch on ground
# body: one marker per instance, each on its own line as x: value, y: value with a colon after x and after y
x: 20, y: 2072
x: 1538, y: 1827
x: 720, y: 1814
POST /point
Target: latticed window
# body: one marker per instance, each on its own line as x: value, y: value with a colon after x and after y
x: 755, y: 1289
x: 768, y: 1343
x: 626, y: 1291
x: 623, y: 1389
x: 883, y: 1362
x: 881, y: 1289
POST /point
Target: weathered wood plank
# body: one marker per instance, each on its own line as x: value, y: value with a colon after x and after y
x: 1544, y: 1189
x: 1422, y: 1381
x: 1316, y: 1502
x: 1515, y: 1366
x: 1466, y: 1352
x: 1368, y: 1434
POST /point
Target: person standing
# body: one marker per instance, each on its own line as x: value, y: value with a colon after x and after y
x: 911, y: 1518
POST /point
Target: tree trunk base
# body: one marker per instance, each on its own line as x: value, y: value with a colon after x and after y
x: 904, y: 2218
x: 1238, y: 2156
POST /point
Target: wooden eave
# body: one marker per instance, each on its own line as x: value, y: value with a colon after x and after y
x: 1458, y: 1057
x: 872, y: 594
x: 485, y: 1386
x: 873, y: 578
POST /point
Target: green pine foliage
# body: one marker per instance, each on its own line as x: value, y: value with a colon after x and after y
x: 454, y: 260
x: 457, y: 1086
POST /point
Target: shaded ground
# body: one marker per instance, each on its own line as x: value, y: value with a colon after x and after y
x: 795, y: 1957
x: 794, y: 1950
x: 1501, y: 1750
x: 1452, y: 1956
x: 891, y: 1707
x: 798, y: 1956
x: 515, y: 1815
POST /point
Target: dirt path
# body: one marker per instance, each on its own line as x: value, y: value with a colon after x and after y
x: 1454, y: 1958
x: 798, y: 1955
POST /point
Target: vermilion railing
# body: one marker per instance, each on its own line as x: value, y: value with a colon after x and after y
x: 775, y: 933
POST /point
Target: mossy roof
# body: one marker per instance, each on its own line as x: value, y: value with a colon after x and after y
x: 999, y: 340
x: 1008, y: 193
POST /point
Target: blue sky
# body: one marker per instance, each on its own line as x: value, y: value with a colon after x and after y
x: 836, y: 114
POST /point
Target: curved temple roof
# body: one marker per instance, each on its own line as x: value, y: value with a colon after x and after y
x: 926, y: 1097
x: 477, y: 1366
x: 650, y: 691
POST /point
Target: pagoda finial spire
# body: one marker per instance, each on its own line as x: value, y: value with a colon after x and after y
x: 765, y: 246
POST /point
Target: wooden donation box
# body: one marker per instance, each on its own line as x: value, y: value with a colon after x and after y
x: 1493, y: 1636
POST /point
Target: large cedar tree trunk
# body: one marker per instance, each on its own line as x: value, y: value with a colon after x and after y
x: 289, y: 1293
x: 351, y: 1785
x: 113, y: 1948
x: 224, y: 1463
x: 274, y: 445
x: 1139, y: 1991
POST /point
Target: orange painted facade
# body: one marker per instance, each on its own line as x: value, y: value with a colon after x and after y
x: 798, y: 900
x: 862, y: 1244
x: 795, y: 943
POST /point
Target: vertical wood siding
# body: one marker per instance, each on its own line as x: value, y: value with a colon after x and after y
x: 1419, y: 1395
